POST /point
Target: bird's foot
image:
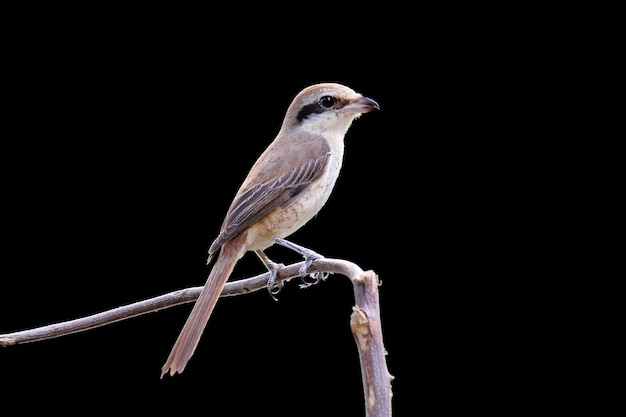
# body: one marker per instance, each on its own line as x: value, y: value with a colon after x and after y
x: 272, y: 286
x: 309, y: 257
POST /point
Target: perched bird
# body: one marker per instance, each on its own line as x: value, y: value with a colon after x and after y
x: 286, y: 187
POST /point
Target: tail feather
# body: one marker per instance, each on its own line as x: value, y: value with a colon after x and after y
x: 192, y: 330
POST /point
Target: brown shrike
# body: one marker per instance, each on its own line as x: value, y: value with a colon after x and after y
x: 285, y: 188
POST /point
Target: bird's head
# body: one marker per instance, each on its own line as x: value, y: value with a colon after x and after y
x: 327, y: 107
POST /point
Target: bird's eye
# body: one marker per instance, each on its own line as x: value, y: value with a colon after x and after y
x: 327, y: 102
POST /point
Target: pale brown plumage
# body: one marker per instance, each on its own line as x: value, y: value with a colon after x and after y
x: 285, y: 188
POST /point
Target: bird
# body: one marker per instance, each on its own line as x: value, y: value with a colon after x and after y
x: 286, y: 187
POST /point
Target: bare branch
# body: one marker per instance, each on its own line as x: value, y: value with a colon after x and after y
x: 365, y: 321
x: 368, y: 334
x: 169, y: 300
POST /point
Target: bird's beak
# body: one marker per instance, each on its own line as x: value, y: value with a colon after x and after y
x: 361, y: 105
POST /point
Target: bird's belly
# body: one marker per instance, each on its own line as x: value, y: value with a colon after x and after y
x: 303, y: 209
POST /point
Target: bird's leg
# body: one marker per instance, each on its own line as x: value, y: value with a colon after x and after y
x: 309, y: 257
x: 272, y: 267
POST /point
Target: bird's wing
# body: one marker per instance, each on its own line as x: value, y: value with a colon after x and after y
x: 255, y: 202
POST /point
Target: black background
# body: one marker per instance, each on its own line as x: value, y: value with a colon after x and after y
x: 121, y: 155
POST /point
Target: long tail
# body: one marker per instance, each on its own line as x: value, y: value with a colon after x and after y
x: 192, y: 330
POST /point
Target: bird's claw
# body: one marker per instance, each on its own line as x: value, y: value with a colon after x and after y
x: 274, y: 287
x: 316, y: 278
x: 309, y: 257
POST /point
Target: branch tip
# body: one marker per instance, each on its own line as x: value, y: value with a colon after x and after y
x: 7, y: 342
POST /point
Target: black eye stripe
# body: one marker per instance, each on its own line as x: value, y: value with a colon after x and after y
x: 323, y: 104
x: 308, y: 110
